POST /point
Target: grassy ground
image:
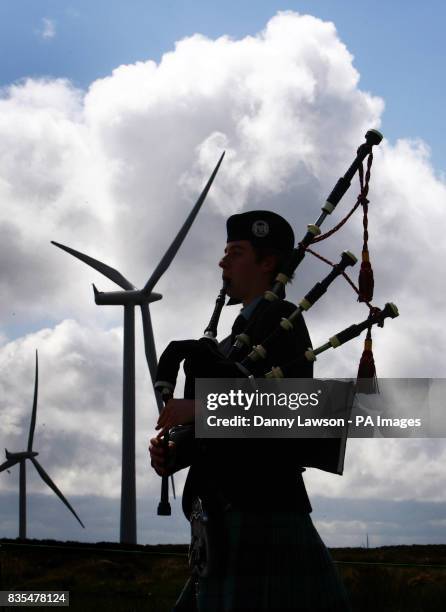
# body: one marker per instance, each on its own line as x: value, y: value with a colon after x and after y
x: 393, y: 588
x: 104, y: 577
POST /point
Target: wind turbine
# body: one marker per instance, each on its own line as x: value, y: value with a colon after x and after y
x: 129, y: 298
x: 13, y: 458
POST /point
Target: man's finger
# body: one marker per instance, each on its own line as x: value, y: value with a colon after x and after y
x: 161, y: 434
x: 161, y: 471
x: 158, y: 461
x: 158, y: 464
x: 157, y: 451
x: 159, y: 455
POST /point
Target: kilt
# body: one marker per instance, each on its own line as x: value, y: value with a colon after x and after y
x: 272, y: 561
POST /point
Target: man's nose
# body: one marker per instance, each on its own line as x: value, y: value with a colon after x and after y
x: 223, y: 263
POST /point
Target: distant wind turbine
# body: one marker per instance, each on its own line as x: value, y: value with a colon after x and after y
x: 13, y: 458
x: 129, y: 298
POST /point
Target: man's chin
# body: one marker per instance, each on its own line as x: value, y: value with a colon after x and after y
x: 233, y: 297
x: 231, y: 292
x: 233, y: 301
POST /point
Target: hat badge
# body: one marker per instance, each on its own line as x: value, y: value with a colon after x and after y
x: 260, y: 228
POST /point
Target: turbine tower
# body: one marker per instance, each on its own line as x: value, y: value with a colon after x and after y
x: 13, y: 458
x: 129, y: 298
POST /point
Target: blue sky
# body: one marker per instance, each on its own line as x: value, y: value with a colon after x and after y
x: 399, y: 46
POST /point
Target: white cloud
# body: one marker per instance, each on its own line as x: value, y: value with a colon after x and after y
x: 386, y: 468
x: 48, y: 28
x: 114, y: 171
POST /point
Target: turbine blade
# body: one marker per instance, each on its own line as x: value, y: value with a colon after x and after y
x: 33, y: 415
x: 7, y: 464
x: 107, y: 271
x: 51, y: 484
x: 178, y: 240
x: 150, y: 350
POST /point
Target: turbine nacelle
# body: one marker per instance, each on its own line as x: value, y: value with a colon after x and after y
x: 21, y: 455
x: 130, y: 297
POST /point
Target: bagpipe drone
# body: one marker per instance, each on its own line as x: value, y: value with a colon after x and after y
x: 203, y: 358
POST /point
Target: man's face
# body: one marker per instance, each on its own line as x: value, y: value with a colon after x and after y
x: 247, y: 277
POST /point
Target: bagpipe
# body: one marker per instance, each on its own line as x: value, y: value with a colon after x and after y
x: 203, y: 359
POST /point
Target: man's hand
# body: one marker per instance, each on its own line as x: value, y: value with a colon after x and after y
x: 159, y: 455
x: 176, y: 412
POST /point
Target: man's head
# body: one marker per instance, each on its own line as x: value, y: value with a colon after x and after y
x: 257, y: 243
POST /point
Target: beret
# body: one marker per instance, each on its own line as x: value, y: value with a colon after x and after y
x: 262, y: 228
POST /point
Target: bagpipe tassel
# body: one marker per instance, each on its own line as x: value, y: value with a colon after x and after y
x: 366, y: 379
x: 365, y: 282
